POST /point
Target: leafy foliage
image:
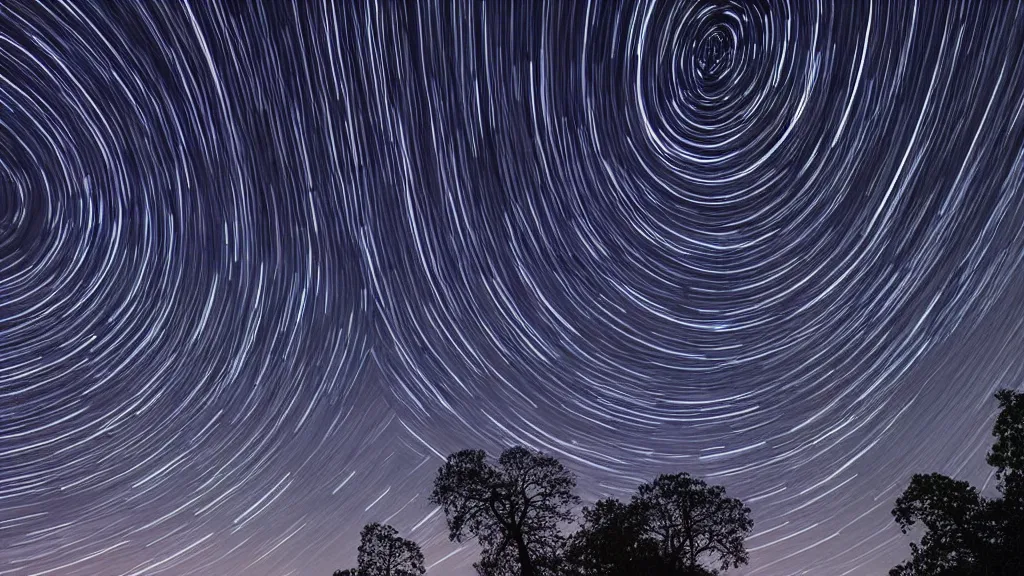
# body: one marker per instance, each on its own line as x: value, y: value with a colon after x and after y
x: 383, y: 553
x: 613, y: 541
x: 966, y: 534
x: 1007, y: 454
x: 514, y: 509
x: 694, y: 523
x: 676, y: 525
x: 956, y: 518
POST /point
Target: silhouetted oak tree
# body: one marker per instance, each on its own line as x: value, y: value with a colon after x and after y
x: 698, y: 529
x: 1007, y: 456
x: 966, y: 534
x: 383, y: 553
x: 613, y: 541
x: 513, y: 508
x: 959, y: 532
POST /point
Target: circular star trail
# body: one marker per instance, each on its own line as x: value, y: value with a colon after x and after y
x: 263, y: 266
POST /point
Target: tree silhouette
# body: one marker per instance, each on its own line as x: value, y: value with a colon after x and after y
x: 966, y: 534
x: 383, y: 553
x: 513, y: 509
x: 693, y: 523
x: 957, y: 519
x: 613, y: 541
x: 502, y: 561
x: 1007, y: 457
x: 672, y: 526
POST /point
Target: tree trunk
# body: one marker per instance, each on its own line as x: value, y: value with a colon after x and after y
x: 525, y: 563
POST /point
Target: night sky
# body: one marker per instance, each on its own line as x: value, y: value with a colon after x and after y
x: 262, y: 267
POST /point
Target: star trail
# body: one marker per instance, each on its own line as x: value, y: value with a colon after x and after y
x: 263, y: 265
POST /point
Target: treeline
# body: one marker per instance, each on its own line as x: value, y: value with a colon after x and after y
x: 518, y: 508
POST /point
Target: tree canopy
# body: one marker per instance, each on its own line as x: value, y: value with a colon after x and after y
x: 383, y: 553
x: 514, y: 508
x: 676, y: 525
x: 613, y: 541
x: 694, y: 523
x: 965, y: 533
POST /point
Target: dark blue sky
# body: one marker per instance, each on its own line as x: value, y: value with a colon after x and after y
x: 262, y: 267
